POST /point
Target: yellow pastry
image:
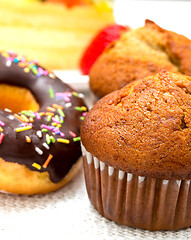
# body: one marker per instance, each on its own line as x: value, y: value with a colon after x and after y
x: 51, y: 33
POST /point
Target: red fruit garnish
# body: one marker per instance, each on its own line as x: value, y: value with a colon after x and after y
x: 98, y: 44
x: 70, y: 3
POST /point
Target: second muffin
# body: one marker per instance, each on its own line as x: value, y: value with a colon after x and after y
x: 139, y: 53
x: 136, y: 145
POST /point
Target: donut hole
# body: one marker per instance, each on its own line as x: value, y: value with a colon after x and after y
x: 17, y: 98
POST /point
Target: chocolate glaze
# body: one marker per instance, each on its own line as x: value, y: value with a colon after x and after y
x: 14, y: 147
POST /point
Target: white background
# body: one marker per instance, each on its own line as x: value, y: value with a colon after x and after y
x: 171, y: 15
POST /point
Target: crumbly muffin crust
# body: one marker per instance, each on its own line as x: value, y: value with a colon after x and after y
x: 139, y: 53
x: 144, y: 128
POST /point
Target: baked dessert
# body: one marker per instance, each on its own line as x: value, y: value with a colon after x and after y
x: 138, y: 53
x: 50, y: 32
x: 137, y: 150
x: 40, y: 121
x: 98, y: 43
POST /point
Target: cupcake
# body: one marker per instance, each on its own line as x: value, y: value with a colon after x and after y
x: 139, y: 53
x: 136, y: 145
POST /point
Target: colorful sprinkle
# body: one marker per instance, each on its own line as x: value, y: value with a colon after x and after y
x: 50, y: 114
x: 55, y: 120
x: 46, y: 145
x: 38, y: 150
x: 72, y: 134
x: 57, y: 106
x: 54, y: 124
x: 57, y: 132
x: 1, y: 129
x: 47, y: 161
x: 24, y: 118
x: 61, y: 112
x: 62, y: 134
x: 76, y: 139
x: 28, y: 113
x: 46, y: 127
x: 62, y: 140
x: 51, y: 75
x: 83, y: 108
x: 78, y: 108
x: 81, y: 95
x: 38, y: 116
x: 26, y: 70
x: 65, y: 95
x: 48, y: 139
x: 16, y: 60
x: 34, y: 70
x: 44, y: 130
x: 52, y: 139
x: 40, y: 71
x: 51, y: 109
x: 31, y: 119
x: 39, y: 134
x: 57, y: 117
x: 49, y: 118
x: 1, y: 137
x: 42, y: 114
x: 7, y: 110
x: 36, y: 165
x: 2, y: 123
x: 21, y: 129
x: 11, y: 117
x: 61, y: 120
x: 75, y: 94
x: 19, y: 117
x: 22, y: 64
x: 45, y: 72
x: 51, y: 93
x: 22, y: 124
x: 28, y: 139
x: 8, y: 63
x: 69, y: 104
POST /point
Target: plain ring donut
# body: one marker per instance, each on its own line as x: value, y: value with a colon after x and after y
x: 40, y: 120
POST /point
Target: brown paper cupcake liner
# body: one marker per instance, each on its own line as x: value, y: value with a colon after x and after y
x: 137, y: 201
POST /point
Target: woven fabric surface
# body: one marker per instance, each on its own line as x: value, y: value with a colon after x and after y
x: 66, y: 214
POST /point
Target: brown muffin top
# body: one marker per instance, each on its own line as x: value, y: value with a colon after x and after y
x: 139, y: 53
x: 144, y: 128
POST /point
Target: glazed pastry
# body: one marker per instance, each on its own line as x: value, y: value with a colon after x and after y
x: 50, y: 32
x: 40, y: 121
x: 139, y: 53
x: 137, y: 150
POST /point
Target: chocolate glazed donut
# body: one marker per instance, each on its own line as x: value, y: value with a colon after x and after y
x: 47, y: 140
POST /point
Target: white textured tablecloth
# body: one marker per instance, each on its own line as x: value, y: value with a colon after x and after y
x: 66, y: 214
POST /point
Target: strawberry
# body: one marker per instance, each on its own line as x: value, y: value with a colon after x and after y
x: 98, y: 44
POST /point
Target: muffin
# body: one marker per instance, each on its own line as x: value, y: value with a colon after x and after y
x: 139, y: 53
x: 136, y: 145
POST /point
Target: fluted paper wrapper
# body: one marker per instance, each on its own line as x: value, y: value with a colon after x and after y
x: 137, y: 201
